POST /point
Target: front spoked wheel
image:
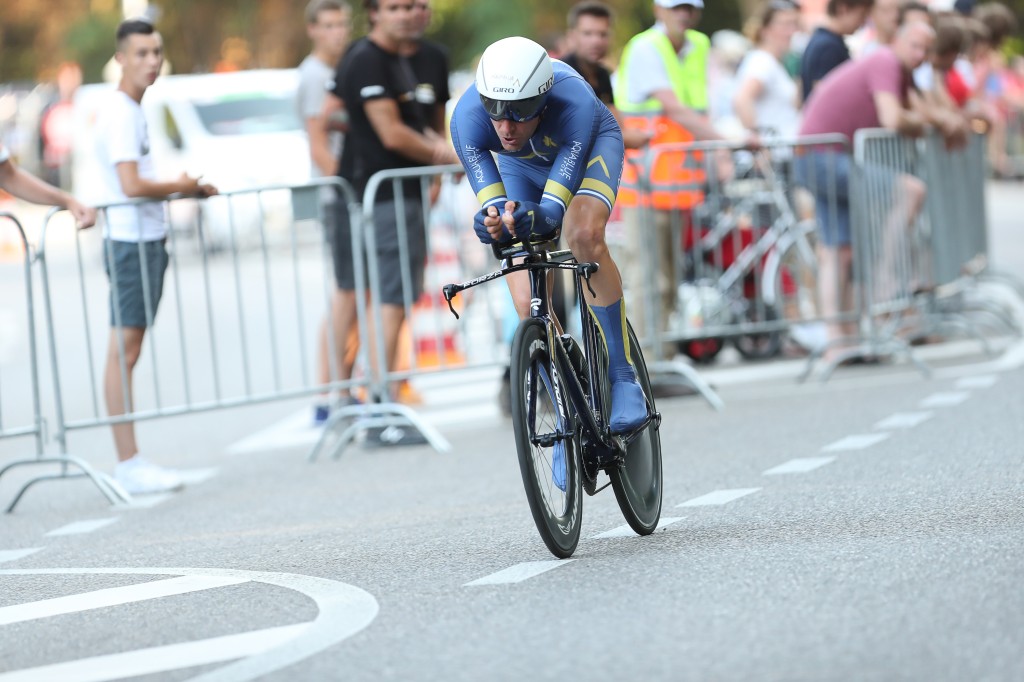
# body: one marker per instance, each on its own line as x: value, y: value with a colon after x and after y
x: 637, y: 482
x: 544, y: 441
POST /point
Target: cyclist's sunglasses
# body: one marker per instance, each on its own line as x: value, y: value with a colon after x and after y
x: 519, y: 110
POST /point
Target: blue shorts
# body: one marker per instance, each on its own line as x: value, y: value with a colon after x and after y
x: 826, y: 174
x: 525, y: 181
x: 127, y: 292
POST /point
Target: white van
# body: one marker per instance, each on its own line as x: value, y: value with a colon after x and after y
x: 237, y: 130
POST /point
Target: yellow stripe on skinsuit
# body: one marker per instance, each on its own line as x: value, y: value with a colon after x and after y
x: 560, y: 191
x: 490, y: 192
x: 599, y: 187
x: 625, y: 330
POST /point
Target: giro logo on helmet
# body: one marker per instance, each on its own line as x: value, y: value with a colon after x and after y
x: 547, y: 86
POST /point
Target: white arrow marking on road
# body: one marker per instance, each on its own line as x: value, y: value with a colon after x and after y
x: 79, y: 527
x: 904, y: 420
x: 625, y: 531
x: 984, y: 381
x: 113, y: 596
x: 857, y: 442
x: 343, y: 611
x: 15, y: 554
x: 519, y: 572
x: 160, y: 659
x: 799, y: 465
x: 946, y: 399
x: 718, y: 497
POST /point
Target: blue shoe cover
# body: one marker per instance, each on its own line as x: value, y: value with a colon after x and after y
x: 558, y: 472
x: 629, y: 406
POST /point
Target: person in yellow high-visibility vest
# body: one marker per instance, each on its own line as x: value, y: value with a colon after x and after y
x: 661, y: 89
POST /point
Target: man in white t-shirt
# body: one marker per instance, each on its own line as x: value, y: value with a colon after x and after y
x: 328, y: 24
x: 26, y: 186
x: 134, y: 246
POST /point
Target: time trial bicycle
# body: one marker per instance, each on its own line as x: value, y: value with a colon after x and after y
x: 561, y: 406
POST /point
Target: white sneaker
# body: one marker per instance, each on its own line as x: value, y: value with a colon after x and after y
x: 811, y: 336
x: 140, y: 477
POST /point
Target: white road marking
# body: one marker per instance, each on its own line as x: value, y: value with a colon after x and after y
x: 983, y: 381
x: 519, y: 572
x: 904, y: 420
x: 344, y: 610
x: 945, y: 399
x: 799, y: 465
x: 144, y: 501
x: 113, y: 596
x: 79, y: 527
x: 718, y: 497
x: 15, y: 554
x: 196, y: 476
x: 856, y: 442
x: 160, y: 659
x: 625, y: 531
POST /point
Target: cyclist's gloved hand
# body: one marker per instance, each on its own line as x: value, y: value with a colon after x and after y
x: 531, y: 219
x: 481, y: 229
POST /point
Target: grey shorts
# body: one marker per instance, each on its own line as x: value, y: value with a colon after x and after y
x: 389, y: 255
x: 127, y: 293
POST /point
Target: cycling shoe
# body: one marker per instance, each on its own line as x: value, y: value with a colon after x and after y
x: 558, y: 464
x: 629, y: 406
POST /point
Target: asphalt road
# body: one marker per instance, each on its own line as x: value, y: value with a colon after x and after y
x: 867, y: 528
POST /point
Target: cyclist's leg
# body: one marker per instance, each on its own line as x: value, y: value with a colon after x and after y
x: 584, y: 224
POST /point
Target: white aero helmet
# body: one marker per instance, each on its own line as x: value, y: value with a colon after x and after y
x: 513, y: 79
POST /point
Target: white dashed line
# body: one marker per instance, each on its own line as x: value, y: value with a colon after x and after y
x: 799, y: 465
x: 196, y: 476
x: 160, y: 659
x: 983, y: 381
x: 856, y: 442
x: 945, y: 399
x: 80, y: 527
x: 144, y: 501
x: 625, y: 531
x: 718, y: 497
x: 15, y: 554
x: 113, y: 596
x: 904, y: 420
x: 519, y: 572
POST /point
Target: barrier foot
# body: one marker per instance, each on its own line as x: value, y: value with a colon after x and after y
x: 690, y: 376
x: 371, y: 416
x: 110, y: 490
x: 869, y: 350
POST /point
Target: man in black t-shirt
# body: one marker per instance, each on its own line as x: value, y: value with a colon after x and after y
x: 827, y: 47
x: 589, y: 36
x: 384, y: 92
x: 430, y: 64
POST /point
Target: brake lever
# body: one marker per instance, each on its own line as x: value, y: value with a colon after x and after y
x: 450, y: 290
x: 586, y: 270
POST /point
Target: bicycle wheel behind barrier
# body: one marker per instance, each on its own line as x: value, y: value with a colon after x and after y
x: 637, y: 482
x: 544, y: 441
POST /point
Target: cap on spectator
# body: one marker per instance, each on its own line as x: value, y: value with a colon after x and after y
x: 699, y: 4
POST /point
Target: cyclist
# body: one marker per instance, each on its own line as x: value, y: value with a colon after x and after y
x: 559, y: 158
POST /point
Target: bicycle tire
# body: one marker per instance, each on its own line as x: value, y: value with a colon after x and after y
x: 539, y: 407
x: 637, y: 482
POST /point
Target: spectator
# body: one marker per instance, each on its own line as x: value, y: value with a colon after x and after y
x: 728, y: 49
x: 884, y: 21
x: 133, y: 233
x: 869, y: 93
x: 589, y: 37
x: 766, y: 98
x: 429, y: 62
x: 827, y: 47
x: 934, y: 100
x: 25, y: 186
x: 989, y: 91
x: 390, y: 127
x: 328, y: 24
x: 656, y: 94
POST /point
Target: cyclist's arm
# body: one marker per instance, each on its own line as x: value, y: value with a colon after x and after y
x: 470, y: 129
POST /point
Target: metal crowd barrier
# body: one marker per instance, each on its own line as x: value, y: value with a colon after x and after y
x: 246, y: 270
x: 439, y: 344
x: 734, y: 263
x: 67, y: 467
